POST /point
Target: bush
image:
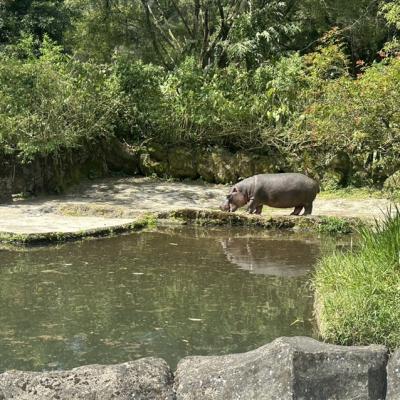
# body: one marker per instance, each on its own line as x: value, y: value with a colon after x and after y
x: 357, y: 293
x: 51, y: 102
x: 360, y: 118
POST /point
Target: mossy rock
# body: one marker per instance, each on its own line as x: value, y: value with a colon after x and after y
x: 331, y: 180
x: 121, y: 157
x: 182, y: 163
x: 392, y: 183
x: 149, y: 167
x: 244, y: 165
x: 265, y: 164
x: 218, y: 166
x: 158, y: 152
x: 205, y: 167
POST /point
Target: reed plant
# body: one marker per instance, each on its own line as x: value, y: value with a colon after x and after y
x: 357, y: 293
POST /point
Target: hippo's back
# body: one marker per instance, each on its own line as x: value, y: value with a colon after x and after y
x: 286, y: 189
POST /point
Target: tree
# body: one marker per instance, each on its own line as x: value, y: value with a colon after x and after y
x: 35, y: 17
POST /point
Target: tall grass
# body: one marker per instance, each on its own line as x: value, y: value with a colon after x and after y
x: 357, y: 294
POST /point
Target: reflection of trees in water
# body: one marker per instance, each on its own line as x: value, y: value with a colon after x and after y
x: 284, y: 258
x: 124, y: 298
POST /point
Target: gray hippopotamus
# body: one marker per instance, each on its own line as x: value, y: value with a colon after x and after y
x: 284, y: 190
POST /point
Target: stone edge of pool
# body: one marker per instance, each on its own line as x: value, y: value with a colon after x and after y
x: 286, y: 368
x: 195, y: 216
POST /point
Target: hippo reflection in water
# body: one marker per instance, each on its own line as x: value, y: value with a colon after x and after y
x: 284, y: 190
x: 283, y: 258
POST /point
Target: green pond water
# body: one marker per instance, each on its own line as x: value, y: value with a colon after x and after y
x: 168, y: 293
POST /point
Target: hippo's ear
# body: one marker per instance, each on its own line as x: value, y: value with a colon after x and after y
x: 234, y: 190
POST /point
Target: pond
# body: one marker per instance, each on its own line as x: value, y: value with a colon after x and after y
x: 167, y: 293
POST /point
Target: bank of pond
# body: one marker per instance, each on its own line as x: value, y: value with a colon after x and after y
x: 175, y: 291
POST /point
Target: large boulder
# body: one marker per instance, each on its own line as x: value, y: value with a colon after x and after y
x: 393, y: 182
x: 217, y: 165
x: 154, y: 160
x: 288, y: 368
x: 148, y: 166
x: 121, y: 157
x: 182, y: 163
x: 264, y: 164
x: 144, y: 379
x: 331, y: 180
x: 393, y: 377
x: 244, y: 165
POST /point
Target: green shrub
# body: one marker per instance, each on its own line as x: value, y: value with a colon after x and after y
x: 334, y: 225
x: 358, y: 117
x: 51, y: 102
x: 357, y: 293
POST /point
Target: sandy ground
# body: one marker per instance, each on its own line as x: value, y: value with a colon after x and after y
x: 111, y: 202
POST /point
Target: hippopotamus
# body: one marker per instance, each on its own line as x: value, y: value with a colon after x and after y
x: 284, y: 190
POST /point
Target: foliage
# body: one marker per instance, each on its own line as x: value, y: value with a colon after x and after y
x: 334, y: 225
x: 51, y: 102
x: 358, y: 292
x: 35, y: 17
x: 140, y: 92
x: 360, y: 118
x: 207, y: 73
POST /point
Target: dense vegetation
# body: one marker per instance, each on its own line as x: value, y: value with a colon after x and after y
x: 358, y: 292
x: 314, y: 81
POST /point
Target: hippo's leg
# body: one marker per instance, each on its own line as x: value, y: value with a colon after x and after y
x: 258, y: 209
x: 297, y: 210
x: 308, y: 209
x: 252, y: 206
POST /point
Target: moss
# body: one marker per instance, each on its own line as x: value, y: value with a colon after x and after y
x: 311, y: 223
x: 337, y: 225
x: 198, y: 217
x: 54, y: 237
x: 352, y: 193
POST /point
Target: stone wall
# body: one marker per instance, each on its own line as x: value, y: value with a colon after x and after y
x: 215, y: 165
x: 56, y: 172
x: 288, y: 368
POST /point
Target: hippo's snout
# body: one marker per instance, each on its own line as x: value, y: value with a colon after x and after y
x: 225, y: 206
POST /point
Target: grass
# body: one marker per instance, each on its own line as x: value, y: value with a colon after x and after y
x: 357, y: 294
x: 334, y: 225
x: 353, y: 194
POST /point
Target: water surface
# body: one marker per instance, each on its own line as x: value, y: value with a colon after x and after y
x: 168, y: 293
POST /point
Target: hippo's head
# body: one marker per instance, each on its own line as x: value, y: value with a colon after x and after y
x: 234, y: 200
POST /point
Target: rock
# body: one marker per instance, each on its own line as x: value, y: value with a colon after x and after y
x: 148, y: 166
x: 265, y: 165
x: 158, y: 152
x: 121, y: 157
x: 181, y: 163
x: 217, y: 165
x: 393, y: 182
x: 205, y: 166
x: 287, y: 368
x: 331, y: 180
x: 144, y: 379
x: 340, y: 163
x: 244, y: 165
x: 393, y: 377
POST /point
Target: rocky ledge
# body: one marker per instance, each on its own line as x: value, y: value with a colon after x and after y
x: 287, y: 368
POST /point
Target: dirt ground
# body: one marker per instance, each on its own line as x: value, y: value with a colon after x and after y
x: 115, y: 201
